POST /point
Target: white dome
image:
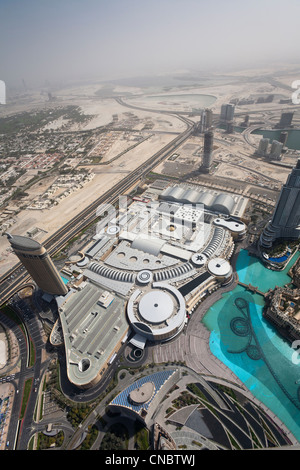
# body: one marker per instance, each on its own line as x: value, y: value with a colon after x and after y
x: 156, y: 306
x: 219, y: 267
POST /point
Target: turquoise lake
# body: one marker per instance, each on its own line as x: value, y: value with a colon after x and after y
x: 250, y: 346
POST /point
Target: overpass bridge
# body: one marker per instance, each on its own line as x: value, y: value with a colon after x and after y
x: 251, y: 288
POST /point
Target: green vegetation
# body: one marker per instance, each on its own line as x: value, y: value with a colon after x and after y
x: 27, y: 390
x: 281, y: 247
x: 234, y: 443
x: 184, y: 399
x: 115, y: 439
x: 229, y: 391
x: 90, y: 438
x: 77, y: 414
x: 46, y: 442
x: 33, y: 121
x: 194, y: 389
x: 141, y: 436
x: 197, y: 443
x: 12, y: 315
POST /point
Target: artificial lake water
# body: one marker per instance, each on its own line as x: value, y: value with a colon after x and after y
x: 251, y: 347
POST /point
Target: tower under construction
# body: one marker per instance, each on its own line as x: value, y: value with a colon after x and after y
x: 207, y: 152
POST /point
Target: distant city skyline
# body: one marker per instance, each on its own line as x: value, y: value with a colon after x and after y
x: 113, y: 39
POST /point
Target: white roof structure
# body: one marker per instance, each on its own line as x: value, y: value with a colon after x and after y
x: 148, y: 244
x: 232, y: 225
x: 156, y: 265
x: 156, y: 306
x: 211, y: 200
x: 145, y: 276
x: 223, y: 203
x: 138, y: 341
x: 219, y: 267
x: 159, y: 314
x: 199, y: 259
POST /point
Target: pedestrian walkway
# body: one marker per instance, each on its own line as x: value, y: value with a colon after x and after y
x: 192, y: 346
x: 251, y: 288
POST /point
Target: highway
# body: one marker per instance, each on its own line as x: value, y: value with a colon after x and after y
x: 14, y: 279
x: 31, y: 332
x: 17, y: 278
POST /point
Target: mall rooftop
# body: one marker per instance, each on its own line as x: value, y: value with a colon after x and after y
x: 154, y: 262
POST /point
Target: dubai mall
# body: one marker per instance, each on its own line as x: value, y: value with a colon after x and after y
x: 145, y: 271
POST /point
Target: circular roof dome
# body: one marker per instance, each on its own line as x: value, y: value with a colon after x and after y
x: 156, y: 306
x: 198, y: 259
x: 112, y: 230
x: 144, y: 277
x: 219, y: 267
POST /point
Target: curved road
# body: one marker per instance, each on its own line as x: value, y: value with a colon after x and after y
x: 88, y: 215
x: 20, y: 430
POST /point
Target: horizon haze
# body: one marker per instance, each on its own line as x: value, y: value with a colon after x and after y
x: 44, y: 42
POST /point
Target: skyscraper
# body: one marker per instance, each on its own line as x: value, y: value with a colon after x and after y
x: 206, y: 120
x: 285, y: 222
x: 38, y: 263
x: 209, y: 118
x: 283, y: 138
x: 227, y: 113
x: 207, y: 151
x: 275, y: 152
x: 285, y: 120
x: 263, y: 147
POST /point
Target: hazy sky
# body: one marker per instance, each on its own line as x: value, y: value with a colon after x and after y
x: 49, y: 39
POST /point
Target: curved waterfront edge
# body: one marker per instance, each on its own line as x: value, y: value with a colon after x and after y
x: 259, y: 392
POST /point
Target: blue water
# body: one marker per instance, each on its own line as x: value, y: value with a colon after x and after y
x: 249, y: 345
x: 280, y: 259
x: 252, y: 271
x: 65, y: 280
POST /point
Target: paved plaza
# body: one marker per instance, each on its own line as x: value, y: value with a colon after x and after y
x: 192, y: 345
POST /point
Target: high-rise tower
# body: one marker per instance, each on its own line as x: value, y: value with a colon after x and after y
x: 285, y: 120
x: 227, y: 113
x: 207, y: 151
x: 285, y: 222
x: 38, y: 263
x: 263, y: 147
x: 206, y: 120
x: 283, y: 138
x: 276, y: 149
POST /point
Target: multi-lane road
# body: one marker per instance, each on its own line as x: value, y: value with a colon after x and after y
x: 16, y: 277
